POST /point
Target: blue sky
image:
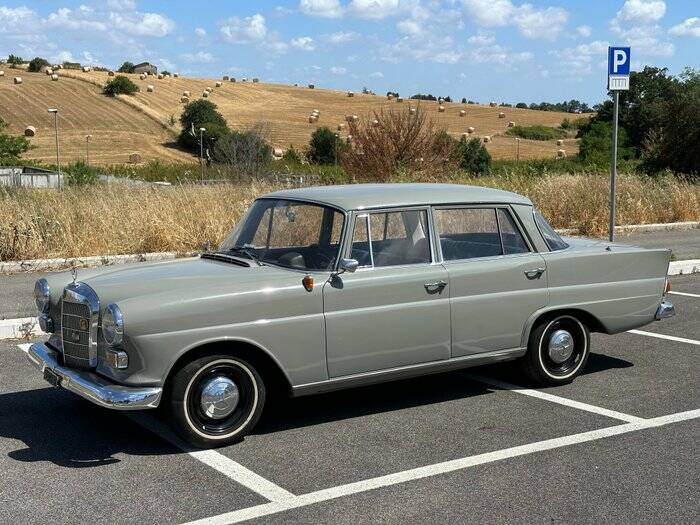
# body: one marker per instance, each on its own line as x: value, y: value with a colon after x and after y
x: 504, y: 50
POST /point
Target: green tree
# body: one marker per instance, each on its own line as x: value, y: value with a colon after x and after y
x: 14, y: 60
x: 595, y: 146
x: 322, y: 147
x: 521, y: 105
x: 126, y: 67
x: 473, y: 156
x: 11, y: 148
x: 80, y: 174
x: 35, y: 64
x: 120, y: 85
x: 201, y: 114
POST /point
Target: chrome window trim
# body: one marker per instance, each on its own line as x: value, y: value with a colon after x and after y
x: 367, y: 212
x: 507, y: 208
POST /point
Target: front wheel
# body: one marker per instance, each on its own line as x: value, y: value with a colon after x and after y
x: 557, y: 350
x: 216, y: 400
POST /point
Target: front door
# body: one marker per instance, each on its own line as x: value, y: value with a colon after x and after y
x: 394, y: 310
x: 496, y: 279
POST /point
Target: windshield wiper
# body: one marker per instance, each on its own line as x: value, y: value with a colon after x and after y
x: 246, y: 251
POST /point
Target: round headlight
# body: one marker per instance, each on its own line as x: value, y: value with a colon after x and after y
x: 41, y: 296
x: 112, y: 325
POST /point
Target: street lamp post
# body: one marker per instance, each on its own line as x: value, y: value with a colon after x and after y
x: 201, y: 151
x: 58, y: 157
x: 87, y: 149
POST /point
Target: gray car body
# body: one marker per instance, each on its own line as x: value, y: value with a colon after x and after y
x: 375, y: 324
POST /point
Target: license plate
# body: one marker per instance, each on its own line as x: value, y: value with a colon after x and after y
x: 52, y: 377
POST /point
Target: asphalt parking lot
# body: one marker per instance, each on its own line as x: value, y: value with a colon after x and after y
x: 620, y: 444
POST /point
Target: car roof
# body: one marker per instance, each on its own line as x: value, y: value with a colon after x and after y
x: 368, y: 196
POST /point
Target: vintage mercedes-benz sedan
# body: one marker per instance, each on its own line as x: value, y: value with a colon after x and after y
x: 335, y: 287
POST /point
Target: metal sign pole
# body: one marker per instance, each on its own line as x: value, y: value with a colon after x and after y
x: 613, y: 165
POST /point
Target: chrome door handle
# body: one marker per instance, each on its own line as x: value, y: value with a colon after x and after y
x: 534, y: 273
x: 437, y: 286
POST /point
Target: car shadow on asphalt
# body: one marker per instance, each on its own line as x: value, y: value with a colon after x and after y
x: 286, y: 414
x: 59, y: 427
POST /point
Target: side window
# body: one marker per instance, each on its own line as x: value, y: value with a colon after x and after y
x: 513, y: 241
x: 466, y: 233
x: 394, y: 238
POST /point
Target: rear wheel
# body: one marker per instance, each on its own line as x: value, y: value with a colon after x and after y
x: 216, y: 400
x: 558, y: 350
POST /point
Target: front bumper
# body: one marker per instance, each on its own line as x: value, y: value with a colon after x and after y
x: 665, y: 309
x: 93, y: 387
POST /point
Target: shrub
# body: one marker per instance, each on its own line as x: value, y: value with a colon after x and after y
x: 595, y: 146
x: 14, y: 60
x: 536, y: 132
x: 80, y: 174
x: 165, y: 72
x: 126, y: 67
x: 12, y: 147
x: 402, y: 142
x: 323, y: 147
x: 35, y: 64
x: 201, y: 114
x: 120, y: 85
x: 473, y: 156
x: 464, y: 100
x: 521, y: 105
x: 291, y: 156
x: 247, y: 152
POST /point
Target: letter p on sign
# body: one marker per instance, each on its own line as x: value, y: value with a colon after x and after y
x: 618, y: 68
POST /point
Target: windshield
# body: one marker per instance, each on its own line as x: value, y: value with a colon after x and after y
x: 292, y: 234
x: 551, y: 237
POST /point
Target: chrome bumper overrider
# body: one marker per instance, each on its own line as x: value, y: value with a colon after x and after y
x: 93, y: 387
x: 665, y: 309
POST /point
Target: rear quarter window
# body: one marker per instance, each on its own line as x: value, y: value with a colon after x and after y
x: 551, y: 237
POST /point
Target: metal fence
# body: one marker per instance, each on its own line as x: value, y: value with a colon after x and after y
x: 26, y: 177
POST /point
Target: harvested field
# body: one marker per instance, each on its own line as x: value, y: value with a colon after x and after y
x: 46, y: 223
x: 286, y: 110
x: 118, y: 129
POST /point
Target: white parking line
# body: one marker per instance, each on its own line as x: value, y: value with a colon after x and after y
x: 686, y: 294
x: 663, y: 336
x: 439, y: 468
x: 555, y: 399
x: 226, y: 466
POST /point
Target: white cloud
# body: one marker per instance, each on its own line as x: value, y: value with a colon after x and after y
x: 63, y: 56
x: 642, y: 11
x: 322, y: 8
x: 689, y: 27
x: 79, y: 20
x: 580, y: 60
x: 244, y: 30
x: 373, y: 9
x: 146, y: 24
x: 305, y: 43
x: 200, y: 32
x: 201, y: 57
x: 410, y: 27
x: 584, y: 31
x: 122, y: 5
x: 340, y: 37
x: 376, y: 74
x: 482, y: 38
x: 544, y: 23
x: 336, y: 70
x: 17, y: 15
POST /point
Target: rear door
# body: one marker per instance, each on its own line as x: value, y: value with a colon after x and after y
x: 497, y: 280
x: 394, y: 310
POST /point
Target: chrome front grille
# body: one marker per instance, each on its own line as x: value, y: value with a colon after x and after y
x: 79, y: 319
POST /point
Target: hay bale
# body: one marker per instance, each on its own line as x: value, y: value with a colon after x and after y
x: 233, y: 79
x: 561, y: 153
x: 340, y: 127
x: 351, y: 118
x: 560, y: 142
x: 143, y: 76
x: 135, y: 158
x: 205, y: 94
x: 487, y: 138
x: 492, y: 104
x: 2, y: 73
x: 277, y: 152
x: 160, y: 76
x: 441, y: 109
x: 399, y: 99
x: 389, y: 96
x: 150, y: 88
x: 462, y: 113
x: 186, y: 93
x: 87, y: 69
x: 465, y: 135
x: 501, y: 115
x: 351, y: 94
x: 48, y: 71
x: 511, y: 124
x: 218, y: 83
x: 440, y: 100
x: 375, y: 123
x: 18, y: 80
x: 225, y: 78
x: 54, y: 77
x: 209, y: 89
x: 176, y: 75
x: 349, y: 139
x: 470, y: 130
x: 312, y: 86
x: 256, y: 80
x: 244, y: 79
x: 412, y: 111
x: 312, y: 118
x: 110, y: 73
x: 29, y: 131
x: 184, y: 99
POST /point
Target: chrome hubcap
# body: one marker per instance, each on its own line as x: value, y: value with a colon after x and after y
x: 561, y: 346
x: 220, y: 397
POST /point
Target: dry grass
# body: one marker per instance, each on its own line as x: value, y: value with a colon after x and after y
x: 114, y: 220
x: 133, y: 126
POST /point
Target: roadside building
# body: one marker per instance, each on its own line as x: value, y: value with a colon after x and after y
x: 145, y: 67
x: 72, y: 65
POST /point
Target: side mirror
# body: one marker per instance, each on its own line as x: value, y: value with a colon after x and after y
x: 348, y: 265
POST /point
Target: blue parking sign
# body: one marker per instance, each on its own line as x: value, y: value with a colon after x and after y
x: 618, y: 61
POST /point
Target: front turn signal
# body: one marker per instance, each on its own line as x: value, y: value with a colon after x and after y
x: 308, y: 283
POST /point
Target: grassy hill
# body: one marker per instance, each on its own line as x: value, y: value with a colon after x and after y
x: 142, y: 123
